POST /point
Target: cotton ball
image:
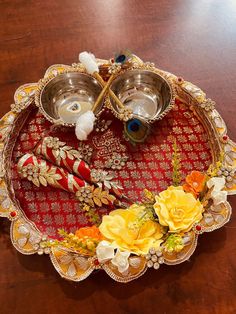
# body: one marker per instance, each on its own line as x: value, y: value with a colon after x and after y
x: 86, y: 121
x: 92, y: 56
x: 89, y: 61
x: 84, y: 125
x: 80, y: 134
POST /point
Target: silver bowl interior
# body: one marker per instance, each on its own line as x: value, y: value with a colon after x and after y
x: 146, y: 93
x: 64, y: 98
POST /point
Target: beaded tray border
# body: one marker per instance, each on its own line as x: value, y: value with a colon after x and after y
x: 25, y: 236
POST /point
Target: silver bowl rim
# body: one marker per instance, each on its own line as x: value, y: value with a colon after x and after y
x: 41, y: 87
x: 158, y: 116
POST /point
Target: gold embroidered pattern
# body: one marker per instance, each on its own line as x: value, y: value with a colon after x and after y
x: 116, y: 161
x: 94, y: 196
x: 107, y: 144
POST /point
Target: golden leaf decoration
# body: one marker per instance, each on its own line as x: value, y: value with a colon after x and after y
x: 95, y: 196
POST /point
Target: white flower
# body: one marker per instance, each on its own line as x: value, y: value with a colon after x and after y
x: 218, y: 196
x: 105, y: 251
x: 217, y: 182
x: 121, y: 260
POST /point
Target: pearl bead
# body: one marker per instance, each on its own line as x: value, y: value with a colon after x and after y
x: 229, y: 179
x: 195, y: 184
x: 47, y: 250
x: 158, y: 253
x: 161, y: 260
x: 156, y: 265
x: 149, y: 264
x: 154, y: 258
x: 152, y: 250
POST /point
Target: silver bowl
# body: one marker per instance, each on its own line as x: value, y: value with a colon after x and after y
x: 148, y: 94
x: 65, y: 97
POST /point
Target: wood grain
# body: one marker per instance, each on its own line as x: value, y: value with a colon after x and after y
x: 193, y: 39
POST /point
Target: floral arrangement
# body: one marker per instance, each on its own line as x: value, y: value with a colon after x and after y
x: 161, y: 223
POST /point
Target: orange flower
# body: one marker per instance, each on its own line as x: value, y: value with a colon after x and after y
x: 89, y: 232
x: 195, y: 183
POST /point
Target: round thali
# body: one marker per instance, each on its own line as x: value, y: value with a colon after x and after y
x: 43, y: 187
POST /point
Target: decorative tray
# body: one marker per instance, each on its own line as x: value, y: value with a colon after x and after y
x: 133, y: 194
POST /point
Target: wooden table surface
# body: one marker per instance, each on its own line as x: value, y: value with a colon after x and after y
x: 193, y: 39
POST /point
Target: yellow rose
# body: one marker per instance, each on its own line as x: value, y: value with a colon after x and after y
x: 119, y: 228
x: 177, y: 209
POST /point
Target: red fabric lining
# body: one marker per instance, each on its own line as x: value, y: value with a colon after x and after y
x: 148, y: 165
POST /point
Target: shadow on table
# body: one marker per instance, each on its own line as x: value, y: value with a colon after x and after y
x: 168, y: 276
x: 5, y: 241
